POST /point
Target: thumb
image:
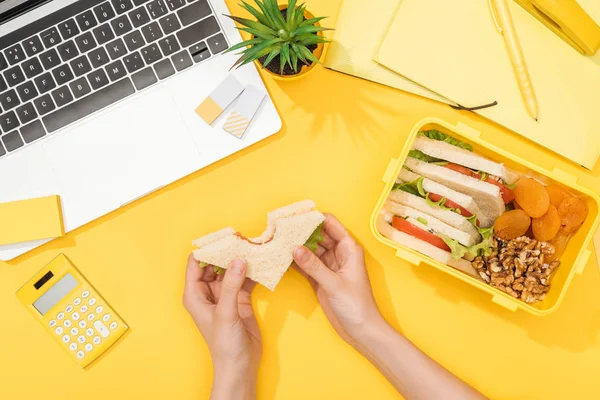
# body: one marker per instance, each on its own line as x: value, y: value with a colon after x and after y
x: 235, y: 275
x: 313, y: 267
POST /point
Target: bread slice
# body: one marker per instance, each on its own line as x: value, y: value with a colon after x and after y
x: 268, y: 256
x: 486, y: 195
x: 425, y: 248
x: 469, y: 159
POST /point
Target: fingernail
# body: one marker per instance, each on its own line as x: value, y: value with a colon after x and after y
x: 301, y: 254
x: 238, y: 266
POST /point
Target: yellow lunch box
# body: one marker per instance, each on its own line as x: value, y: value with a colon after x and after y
x: 577, y: 252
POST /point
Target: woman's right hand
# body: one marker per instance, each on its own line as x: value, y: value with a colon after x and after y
x: 339, y: 276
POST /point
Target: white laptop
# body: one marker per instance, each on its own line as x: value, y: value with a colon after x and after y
x: 98, y: 100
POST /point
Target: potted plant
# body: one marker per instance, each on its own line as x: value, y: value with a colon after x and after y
x: 287, y: 40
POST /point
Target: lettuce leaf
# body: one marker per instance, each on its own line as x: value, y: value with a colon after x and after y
x: 317, y: 237
x: 510, y: 186
x: 218, y: 270
x: 423, y: 221
x: 458, y: 250
x: 484, y: 232
x: 419, y: 155
x: 437, y: 135
x: 442, y: 204
x: 415, y: 187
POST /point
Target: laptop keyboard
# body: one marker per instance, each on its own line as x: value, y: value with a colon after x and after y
x: 94, y: 53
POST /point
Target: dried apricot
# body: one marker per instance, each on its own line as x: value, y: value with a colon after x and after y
x: 556, y: 194
x: 532, y: 197
x: 516, y: 205
x: 572, y: 211
x: 560, y: 244
x: 512, y: 224
x: 546, y: 227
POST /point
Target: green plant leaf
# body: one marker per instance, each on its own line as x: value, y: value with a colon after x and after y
x: 258, y: 48
x: 263, y: 9
x: 437, y: 135
x: 244, y: 44
x: 271, y: 56
x: 291, y: 14
x: 253, y: 24
x: 308, y: 54
x: 300, y: 14
x: 294, y: 59
x: 285, y: 56
x: 256, y: 14
x: 311, y: 21
x: 273, y: 9
x: 313, y: 40
x: 259, y: 34
x: 311, y: 29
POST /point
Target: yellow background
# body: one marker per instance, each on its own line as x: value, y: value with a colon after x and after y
x: 339, y: 134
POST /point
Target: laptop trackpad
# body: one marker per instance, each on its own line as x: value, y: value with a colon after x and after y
x: 121, y: 155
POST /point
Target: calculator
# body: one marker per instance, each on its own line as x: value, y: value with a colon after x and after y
x: 71, y: 311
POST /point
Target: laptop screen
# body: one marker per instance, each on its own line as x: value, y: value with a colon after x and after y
x: 13, y: 8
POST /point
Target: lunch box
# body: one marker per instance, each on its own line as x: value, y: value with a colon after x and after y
x: 577, y: 252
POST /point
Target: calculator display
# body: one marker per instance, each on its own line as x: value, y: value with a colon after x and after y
x: 55, y: 293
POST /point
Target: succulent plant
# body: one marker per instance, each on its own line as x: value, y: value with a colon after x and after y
x: 273, y: 35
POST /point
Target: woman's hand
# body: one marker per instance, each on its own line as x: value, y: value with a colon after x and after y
x: 339, y: 276
x: 221, y: 307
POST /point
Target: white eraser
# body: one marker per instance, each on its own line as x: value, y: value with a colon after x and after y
x: 219, y: 99
x: 243, y: 111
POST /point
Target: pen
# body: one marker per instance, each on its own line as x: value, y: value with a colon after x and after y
x: 504, y: 23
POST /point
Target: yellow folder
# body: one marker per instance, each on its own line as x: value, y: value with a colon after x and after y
x: 32, y: 219
x: 453, y: 48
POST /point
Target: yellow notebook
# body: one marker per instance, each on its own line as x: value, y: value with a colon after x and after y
x: 453, y: 48
x: 359, y: 31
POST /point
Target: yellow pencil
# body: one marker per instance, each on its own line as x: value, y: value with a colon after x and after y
x: 505, y: 25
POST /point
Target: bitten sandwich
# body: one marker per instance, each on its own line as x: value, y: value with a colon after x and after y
x: 268, y: 256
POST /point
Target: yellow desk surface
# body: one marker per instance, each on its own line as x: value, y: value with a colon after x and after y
x: 339, y: 134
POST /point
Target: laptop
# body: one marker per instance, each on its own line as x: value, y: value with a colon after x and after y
x: 97, y: 100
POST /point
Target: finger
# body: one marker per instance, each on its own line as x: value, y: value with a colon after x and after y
x: 327, y: 241
x: 227, y: 308
x: 310, y: 263
x: 320, y: 251
x: 194, y: 287
x: 209, y: 274
x: 334, y: 228
x: 248, y: 285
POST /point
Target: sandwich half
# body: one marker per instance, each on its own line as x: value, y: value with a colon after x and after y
x: 268, y: 256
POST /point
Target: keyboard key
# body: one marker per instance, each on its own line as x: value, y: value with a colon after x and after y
x: 169, y: 24
x: 151, y: 54
x: 164, y: 69
x: 199, y: 52
x: 26, y: 113
x: 32, y: 67
x: 139, y: 2
x: 62, y: 96
x: 86, y: 20
x: 175, y: 4
x: 68, y: 29
x: 85, y: 42
x: 169, y: 45
x: 98, y: 79
x: 12, y: 141
x: 3, y: 85
x: 121, y: 25
x: 134, y: 40
x: 9, y: 121
x: 33, y: 45
x: 33, y: 131
x: 194, y: 12
x: 116, y: 49
x: 9, y: 100
x: 152, y: 32
x: 98, y: 57
x: 139, y: 17
x: 197, y: 32
x: 157, y: 8
x: 81, y: 66
x: 116, y: 70
x: 50, y: 59
x: 104, y: 34
x: 3, y: 63
x: 45, y: 83
x: 68, y: 50
x: 14, y: 76
x: 62, y: 74
x: 144, y: 78
x: 104, y: 12
x: 122, y: 5
x: 80, y: 87
x: 44, y: 104
x: 133, y: 62
x: 14, y: 54
x: 182, y: 60
x: 88, y: 105
x: 2, y: 151
x: 27, y: 91
x: 217, y: 43
x: 50, y: 37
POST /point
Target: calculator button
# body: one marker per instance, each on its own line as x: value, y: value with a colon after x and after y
x: 60, y: 316
x: 69, y: 308
x: 59, y: 330
x: 91, y: 317
x: 66, y: 338
x: 106, y: 317
x: 52, y: 323
x: 67, y: 323
x: 85, y: 294
x: 80, y: 354
x: 75, y: 316
x: 77, y: 301
x: 92, y: 302
x: 99, y: 309
x: 102, y: 329
x: 74, y: 331
x: 82, y: 324
x: 89, y: 331
x: 97, y: 340
x: 81, y: 339
x: 113, y: 325
x: 88, y: 347
x: 73, y: 346
x: 84, y: 309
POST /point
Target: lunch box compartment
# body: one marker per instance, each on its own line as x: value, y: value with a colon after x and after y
x: 578, y: 250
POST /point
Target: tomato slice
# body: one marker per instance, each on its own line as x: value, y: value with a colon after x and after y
x: 507, y: 194
x: 449, y: 203
x: 408, y: 228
